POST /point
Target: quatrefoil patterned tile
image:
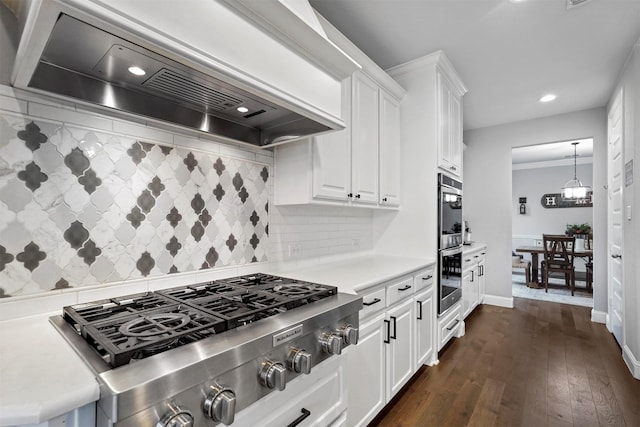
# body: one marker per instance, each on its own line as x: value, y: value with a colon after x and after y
x: 80, y: 207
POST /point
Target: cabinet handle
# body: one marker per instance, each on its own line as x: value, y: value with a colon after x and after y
x: 301, y: 418
x: 472, y: 275
x: 428, y: 277
x: 419, y: 310
x: 388, y: 339
x: 350, y: 195
x: 467, y: 260
x: 357, y: 196
x: 374, y: 301
x: 394, y: 328
x: 406, y: 288
x: 454, y: 325
x: 476, y: 256
x: 384, y: 199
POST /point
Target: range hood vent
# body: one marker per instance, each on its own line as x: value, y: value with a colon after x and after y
x: 86, y: 63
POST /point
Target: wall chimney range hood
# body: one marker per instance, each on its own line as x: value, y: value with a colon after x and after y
x: 100, y: 65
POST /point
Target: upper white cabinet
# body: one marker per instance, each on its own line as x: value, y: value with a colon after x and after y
x: 358, y: 166
x: 389, y: 150
x: 449, y: 120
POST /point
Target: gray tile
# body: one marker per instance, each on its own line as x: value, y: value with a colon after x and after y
x: 125, y: 168
x: 47, y: 274
x: 48, y: 158
x: 76, y: 198
x: 102, y: 199
x: 15, y: 195
x: 101, y: 269
x: 125, y: 233
x: 15, y: 237
x: 89, y: 217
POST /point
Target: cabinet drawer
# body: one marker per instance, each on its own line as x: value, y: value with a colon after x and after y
x: 469, y: 260
x: 400, y: 290
x: 448, y: 326
x: 373, y: 302
x: 423, y: 279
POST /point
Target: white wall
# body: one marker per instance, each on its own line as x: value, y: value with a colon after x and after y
x: 488, y: 189
x: 532, y: 184
x: 630, y: 83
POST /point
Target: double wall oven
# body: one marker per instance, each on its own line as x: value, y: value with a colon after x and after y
x: 449, y: 242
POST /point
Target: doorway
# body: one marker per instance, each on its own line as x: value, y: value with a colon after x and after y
x: 539, y: 172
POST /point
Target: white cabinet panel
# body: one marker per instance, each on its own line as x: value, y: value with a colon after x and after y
x: 400, y: 347
x: 449, y: 119
x: 425, y: 318
x: 366, y: 373
x: 390, y: 147
x: 364, y: 140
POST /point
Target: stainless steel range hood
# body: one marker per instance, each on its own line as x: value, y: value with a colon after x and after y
x: 86, y: 63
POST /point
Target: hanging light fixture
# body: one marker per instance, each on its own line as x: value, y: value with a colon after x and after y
x: 574, y: 189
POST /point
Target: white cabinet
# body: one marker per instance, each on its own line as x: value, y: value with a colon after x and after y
x: 399, y: 340
x: 397, y: 335
x: 473, y: 279
x: 449, y: 123
x: 364, y: 139
x: 357, y: 166
x: 450, y: 324
x: 389, y: 152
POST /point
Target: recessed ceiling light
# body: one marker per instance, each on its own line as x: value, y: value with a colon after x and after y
x: 547, y: 98
x: 242, y: 109
x: 137, y: 71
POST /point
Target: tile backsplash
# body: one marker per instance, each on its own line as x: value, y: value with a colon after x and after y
x: 81, y: 207
x: 91, y: 203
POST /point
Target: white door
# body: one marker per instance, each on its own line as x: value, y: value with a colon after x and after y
x: 615, y: 220
x: 400, y: 347
x: 389, y: 150
x: 364, y: 140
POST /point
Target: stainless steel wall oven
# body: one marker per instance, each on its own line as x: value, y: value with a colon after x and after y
x: 449, y: 242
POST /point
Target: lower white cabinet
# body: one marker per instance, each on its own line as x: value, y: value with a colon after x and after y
x: 450, y: 325
x: 397, y: 336
x: 473, y: 279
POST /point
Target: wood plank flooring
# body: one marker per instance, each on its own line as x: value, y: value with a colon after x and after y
x: 538, y: 364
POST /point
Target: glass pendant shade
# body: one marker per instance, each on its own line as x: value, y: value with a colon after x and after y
x: 574, y: 189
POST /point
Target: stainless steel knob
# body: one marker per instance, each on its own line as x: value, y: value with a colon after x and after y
x: 220, y: 405
x: 349, y: 334
x: 299, y: 361
x: 331, y: 343
x: 176, y: 417
x: 273, y: 375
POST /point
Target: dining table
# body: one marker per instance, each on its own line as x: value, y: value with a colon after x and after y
x: 537, y: 250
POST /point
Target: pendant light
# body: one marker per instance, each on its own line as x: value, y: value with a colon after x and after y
x: 574, y: 189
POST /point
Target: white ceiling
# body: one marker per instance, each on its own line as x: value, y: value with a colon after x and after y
x: 507, y: 52
x: 553, y: 154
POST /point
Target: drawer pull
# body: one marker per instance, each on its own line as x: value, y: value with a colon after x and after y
x: 394, y: 328
x: 374, y: 301
x: 429, y: 277
x: 301, y: 418
x: 454, y: 325
x: 406, y: 288
x: 419, y: 310
x: 388, y: 339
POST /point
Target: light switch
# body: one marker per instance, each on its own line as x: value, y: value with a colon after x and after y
x: 628, y: 212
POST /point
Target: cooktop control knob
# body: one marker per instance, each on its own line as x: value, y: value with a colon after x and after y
x: 176, y: 417
x: 331, y: 343
x: 220, y: 405
x: 273, y: 375
x: 299, y: 361
x: 349, y: 334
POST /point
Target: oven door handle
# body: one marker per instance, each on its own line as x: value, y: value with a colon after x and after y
x: 451, y: 251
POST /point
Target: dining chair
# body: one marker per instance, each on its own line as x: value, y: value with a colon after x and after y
x: 558, y: 257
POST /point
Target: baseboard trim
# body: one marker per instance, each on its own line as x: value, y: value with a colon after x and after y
x: 499, y: 301
x: 632, y: 363
x: 598, y: 316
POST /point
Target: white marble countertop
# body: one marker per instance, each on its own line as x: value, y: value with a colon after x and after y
x: 41, y: 376
x: 474, y: 246
x: 357, y: 274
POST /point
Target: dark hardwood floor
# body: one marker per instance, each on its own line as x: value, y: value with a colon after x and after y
x: 538, y: 364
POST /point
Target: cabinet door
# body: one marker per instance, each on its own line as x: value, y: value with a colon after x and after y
x: 455, y: 144
x: 364, y: 140
x: 424, y: 315
x: 366, y: 372
x: 400, y: 348
x: 481, y: 279
x: 468, y: 278
x: 389, y: 150
x: 332, y: 157
x: 444, y: 122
